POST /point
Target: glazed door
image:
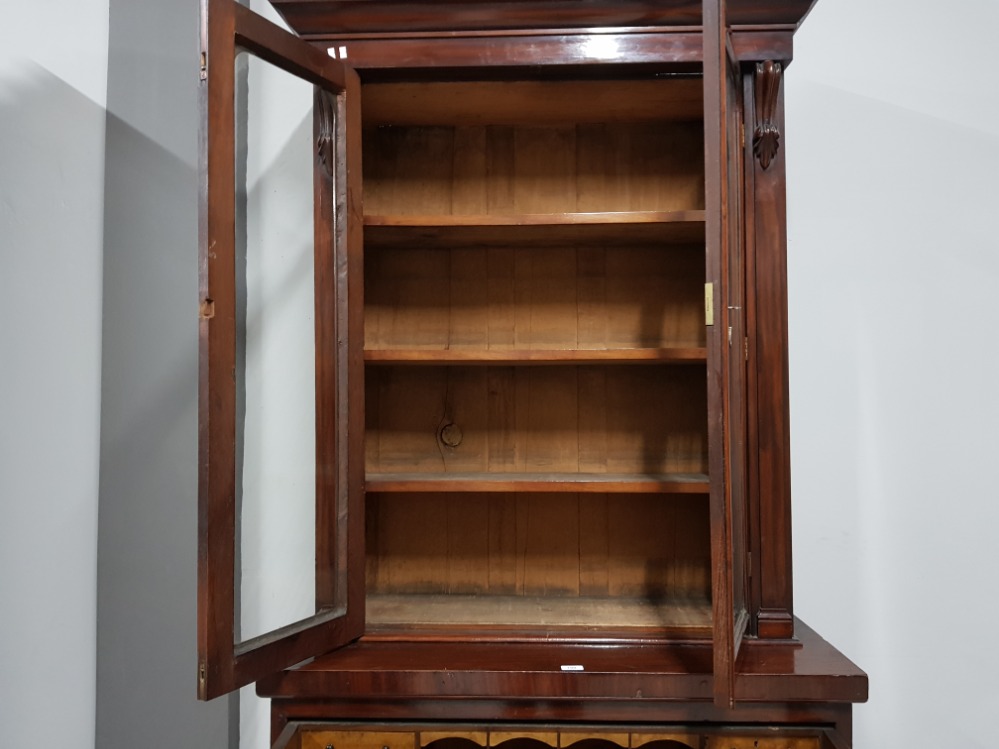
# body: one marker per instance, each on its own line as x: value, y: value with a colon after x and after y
x: 280, y: 486
x: 727, y: 346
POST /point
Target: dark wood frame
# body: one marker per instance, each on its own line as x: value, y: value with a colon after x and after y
x: 805, y: 683
x: 223, y: 663
x: 323, y: 19
x: 726, y: 370
x: 769, y: 433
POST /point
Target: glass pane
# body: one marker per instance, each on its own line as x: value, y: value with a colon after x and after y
x: 275, y: 377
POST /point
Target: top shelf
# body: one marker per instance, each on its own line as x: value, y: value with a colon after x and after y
x: 621, y: 228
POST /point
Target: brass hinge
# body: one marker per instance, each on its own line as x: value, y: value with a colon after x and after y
x: 709, y: 304
x: 204, y: 66
x: 730, y: 336
x: 746, y: 339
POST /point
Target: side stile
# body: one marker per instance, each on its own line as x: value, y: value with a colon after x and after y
x: 217, y: 346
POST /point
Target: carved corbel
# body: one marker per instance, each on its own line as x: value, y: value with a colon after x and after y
x: 766, y: 137
x: 326, y: 131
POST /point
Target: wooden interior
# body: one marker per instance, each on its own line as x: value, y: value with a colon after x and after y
x: 513, y: 298
x: 526, y: 244
x: 539, y: 560
x: 533, y: 147
x: 524, y: 169
x: 580, y: 419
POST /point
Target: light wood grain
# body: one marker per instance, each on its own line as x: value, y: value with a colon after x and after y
x: 568, y: 738
x: 585, y: 419
x: 498, y: 738
x: 539, y: 299
x: 440, y: 170
x: 761, y: 742
x: 691, y: 740
x: 694, y: 617
x: 531, y: 544
x: 428, y: 737
x: 358, y: 739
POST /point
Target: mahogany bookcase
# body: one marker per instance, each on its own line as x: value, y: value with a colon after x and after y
x: 551, y: 476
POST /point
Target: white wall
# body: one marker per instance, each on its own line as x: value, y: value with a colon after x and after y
x: 53, y: 83
x: 893, y: 167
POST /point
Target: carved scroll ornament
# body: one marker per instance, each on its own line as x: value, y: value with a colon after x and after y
x: 766, y: 137
x: 326, y: 127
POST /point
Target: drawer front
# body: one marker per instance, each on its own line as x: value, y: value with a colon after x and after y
x: 763, y: 742
x: 374, y: 739
x: 331, y: 736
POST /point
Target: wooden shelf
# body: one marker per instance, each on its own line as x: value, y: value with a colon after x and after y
x: 774, y: 670
x: 580, y: 483
x: 621, y: 228
x: 514, y: 357
x: 667, y: 617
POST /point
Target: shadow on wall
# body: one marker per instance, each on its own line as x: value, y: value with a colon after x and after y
x: 147, y: 592
x: 51, y: 169
x: 147, y: 577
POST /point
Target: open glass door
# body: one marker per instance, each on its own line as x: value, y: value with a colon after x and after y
x: 727, y: 346
x: 280, y: 488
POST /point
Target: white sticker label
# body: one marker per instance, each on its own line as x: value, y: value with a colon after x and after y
x: 572, y: 668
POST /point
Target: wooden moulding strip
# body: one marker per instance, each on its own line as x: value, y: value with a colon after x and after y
x: 614, y: 228
x: 512, y: 357
x: 596, y: 218
x: 538, y: 482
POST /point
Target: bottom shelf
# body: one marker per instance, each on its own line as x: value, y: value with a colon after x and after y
x: 662, y: 618
x: 674, y: 680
